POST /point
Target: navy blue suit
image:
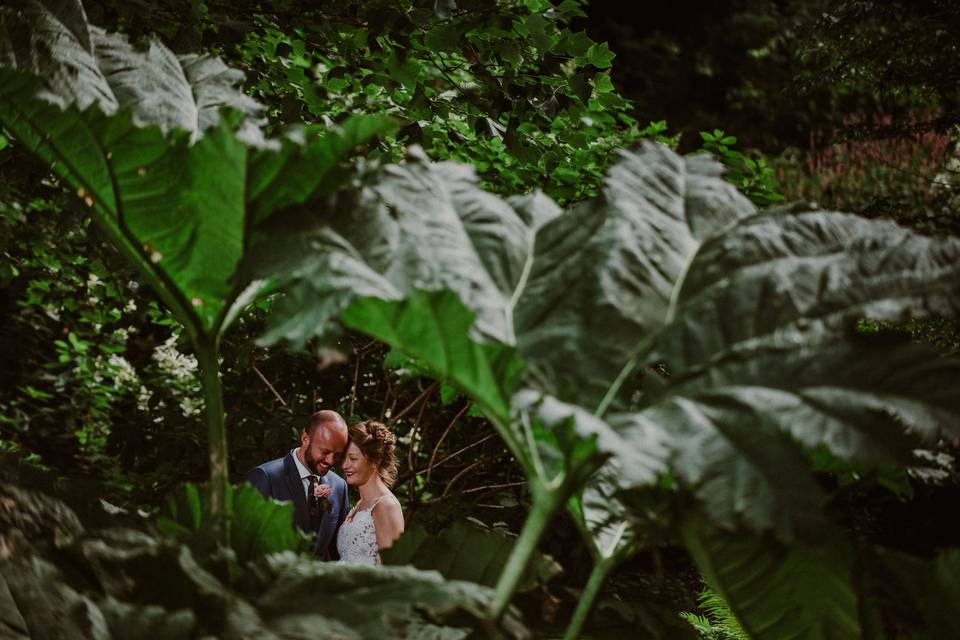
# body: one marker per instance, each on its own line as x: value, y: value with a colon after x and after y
x: 280, y: 479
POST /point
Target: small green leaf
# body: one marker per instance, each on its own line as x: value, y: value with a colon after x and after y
x: 573, y: 8
x: 575, y: 44
x: 602, y: 83
x: 600, y: 56
x: 537, y: 27
x: 407, y: 73
x: 445, y: 37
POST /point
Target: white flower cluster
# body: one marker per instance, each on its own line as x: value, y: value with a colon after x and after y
x: 183, y: 369
x: 190, y: 407
x: 178, y: 365
x: 121, y: 370
x: 143, y: 398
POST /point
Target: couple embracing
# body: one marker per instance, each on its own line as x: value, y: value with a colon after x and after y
x: 321, y: 504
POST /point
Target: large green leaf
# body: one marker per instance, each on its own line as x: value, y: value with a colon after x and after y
x: 169, y: 205
x: 765, y: 360
x: 39, y: 516
x: 180, y: 209
x: 752, y: 317
x: 83, y: 65
x: 779, y: 591
x: 35, y: 601
x: 127, y: 620
x: 434, y: 328
x: 467, y: 550
x: 604, y: 272
x: 258, y: 525
x: 604, y: 519
x: 139, y: 135
x: 302, y: 598
x: 573, y: 290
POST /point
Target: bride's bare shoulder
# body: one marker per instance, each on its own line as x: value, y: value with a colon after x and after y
x: 388, y: 517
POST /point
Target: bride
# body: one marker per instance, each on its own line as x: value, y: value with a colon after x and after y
x: 370, y: 464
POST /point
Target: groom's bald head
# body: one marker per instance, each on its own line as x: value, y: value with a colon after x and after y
x: 327, y: 419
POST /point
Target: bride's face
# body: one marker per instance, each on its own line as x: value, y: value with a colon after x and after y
x: 356, y: 468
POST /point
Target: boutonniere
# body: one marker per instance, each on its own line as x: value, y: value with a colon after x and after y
x: 321, y: 499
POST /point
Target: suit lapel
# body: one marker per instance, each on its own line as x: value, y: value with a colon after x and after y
x: 301, y: 515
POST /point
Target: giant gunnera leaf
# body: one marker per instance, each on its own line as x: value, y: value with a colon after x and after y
x: 466, y: 550
x: 165, y: 150
x: 750, y: 318
x: 300, y: 597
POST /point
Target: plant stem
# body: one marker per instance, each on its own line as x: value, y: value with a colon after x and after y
x: 546, y: 503
x: 601, y: 568
x: 216, y: 433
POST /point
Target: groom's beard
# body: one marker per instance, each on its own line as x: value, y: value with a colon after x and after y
x: 314, y: 465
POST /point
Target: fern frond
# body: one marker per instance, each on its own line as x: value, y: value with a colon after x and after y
x: 719, y: 614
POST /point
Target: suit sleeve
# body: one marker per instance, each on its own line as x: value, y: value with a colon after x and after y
x: 344, y: 508
x: 258, y: 478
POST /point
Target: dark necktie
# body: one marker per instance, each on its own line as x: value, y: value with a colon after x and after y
x: 313, y: 502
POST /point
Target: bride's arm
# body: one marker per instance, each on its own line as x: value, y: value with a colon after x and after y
x: 388, y: 520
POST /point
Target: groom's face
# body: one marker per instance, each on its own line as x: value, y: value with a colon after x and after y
x: 322, y: 447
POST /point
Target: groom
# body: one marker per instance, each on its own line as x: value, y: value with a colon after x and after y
x: 304, y: 475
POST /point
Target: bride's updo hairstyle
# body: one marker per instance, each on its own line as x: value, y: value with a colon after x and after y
x: 378, y: 446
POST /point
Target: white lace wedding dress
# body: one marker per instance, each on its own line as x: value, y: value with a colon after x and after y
x: 357, y: 537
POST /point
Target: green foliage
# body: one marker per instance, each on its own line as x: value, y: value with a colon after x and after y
x: 487, y: 374
x: 84, y: 363
x: 59, y: 581
x: 170, y: 206
x: 718, y: 623
x: 80, y: 334
x: 506, y: 87
x: 855, y: 49
x: 260, y: 526
x: 753, y: 176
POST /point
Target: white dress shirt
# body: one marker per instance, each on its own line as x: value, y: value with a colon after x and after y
x: 304, y: 473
